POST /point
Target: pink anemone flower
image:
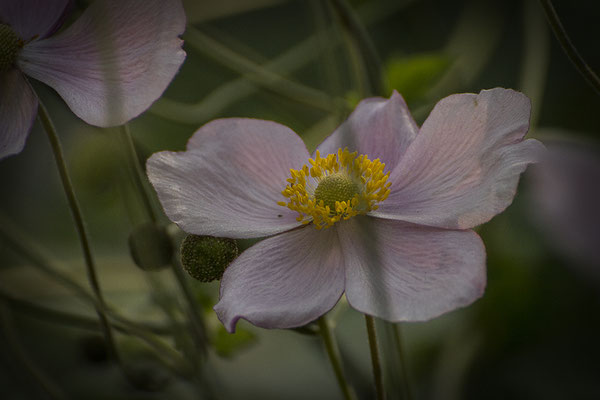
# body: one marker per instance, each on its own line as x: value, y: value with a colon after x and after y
x: 109, y: 66
x: 382, y: 211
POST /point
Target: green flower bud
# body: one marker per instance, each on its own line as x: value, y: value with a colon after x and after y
x: 150, y: 247
x: 206, y: 257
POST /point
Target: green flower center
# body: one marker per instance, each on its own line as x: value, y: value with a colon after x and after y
x: 336, y: 187
x: 10, y: 44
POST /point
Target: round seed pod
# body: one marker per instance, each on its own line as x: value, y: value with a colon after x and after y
x: 10, y: 44
x: 206, y: 257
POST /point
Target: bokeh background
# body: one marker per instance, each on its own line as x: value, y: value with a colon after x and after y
x: 534, y: 334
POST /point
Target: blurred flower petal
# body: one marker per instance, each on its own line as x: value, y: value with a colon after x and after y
x: 404, y: 272
x: 566, y: 194
x: 18, y: 108
x: 114, y: 61
x: 34, y: 18
x: 381, y: 128
x: 464, y: 166
x: 230, y: 179
x: 284, y: 281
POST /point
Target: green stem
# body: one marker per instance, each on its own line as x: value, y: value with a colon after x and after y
x: 78, y: 321
x: 333, y: 353
x: 568, y: 47
x: 406, y: 390
x: 255, y: 72
x: 12, y: 340
x: 196, y: 318
x: 375, y: 358
x: 295, y: 58
x: 24, y: 247
x: 536, y: 56
x: 364, y: 46
x: 139, y: 178
x: 28, y: 250
x: 164, y: 352
x: 47, y: 314
x: 328, y: 63
x: 137, y: 171
x: 80, y: 227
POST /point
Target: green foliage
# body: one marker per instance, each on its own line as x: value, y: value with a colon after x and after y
x: 227, y: 344
x: 97, y: 170
x: 413, y: 76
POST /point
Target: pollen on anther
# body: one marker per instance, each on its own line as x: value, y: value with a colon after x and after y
x: 336, y: 187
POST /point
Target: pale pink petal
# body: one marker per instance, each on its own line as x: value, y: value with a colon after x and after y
x: 565, y: 197
x: 403, y: 272
x: 464, y: 166
x: 284, y: 281
x: 114, y: 61
x: 230, y: 179
x: 380, y: 128
x: 18, y: 108
x: 33, y: 19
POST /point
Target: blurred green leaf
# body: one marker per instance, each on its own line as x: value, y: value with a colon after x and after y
x: 227, y: 344
x: 413, y: 76
x: 96, y: 169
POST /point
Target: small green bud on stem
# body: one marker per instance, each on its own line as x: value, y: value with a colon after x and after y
x: 150, y: 247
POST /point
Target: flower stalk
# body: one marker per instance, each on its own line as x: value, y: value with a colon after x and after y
x: 368, y: 61
x: 333, y: 353
x: 405, y: 383
x: 363, y: 45
x: 80, y: 228
x: 561, y: 35
x: 137, y: 172
x: 375, y: 357
x: 138, y: 177
x: 260, y: 75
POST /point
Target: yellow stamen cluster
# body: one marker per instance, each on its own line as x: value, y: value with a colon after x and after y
x: 338, y: 186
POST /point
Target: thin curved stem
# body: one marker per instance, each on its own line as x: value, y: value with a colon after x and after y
x: 137, y: 171
x: 328, y: 64
x: 406, y: 390
x: 139, y: 178
x: 364, y: 46
x: 333, y: 353
x: 375, y: 357
x: 79, y: 321
x: 255, y: 72
x: 25, y: 248
x: 80, y: 227
x: 289, y: 61
x: 560, y: 33
x: 536, y: 57
x: 195, y: 317
x: 148, y: 332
